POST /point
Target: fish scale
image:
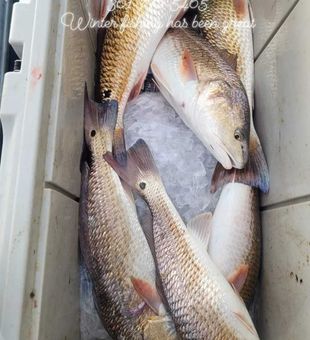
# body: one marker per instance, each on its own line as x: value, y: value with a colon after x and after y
x: 202, y: 303
x: 207, y: 94
x: 104, y: 254
x: 235, y: 239
x: 115, y: 249
x: 126, y: 54
x: 232, y: 34
x: 236, y: 234
x: 237, y: 40
x: 173, y: 258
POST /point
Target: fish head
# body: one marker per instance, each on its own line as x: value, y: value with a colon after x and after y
x: 99, y: 122
x: 140, y: 171
x: 227, y: 125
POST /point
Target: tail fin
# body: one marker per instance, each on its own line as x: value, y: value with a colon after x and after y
x: 107, y: 116
x: 255, y: 173
x: 99, y: 9
x: 106, y: 6
x: 140, y: 168
x: 119, y: 146
x: 99, y: 116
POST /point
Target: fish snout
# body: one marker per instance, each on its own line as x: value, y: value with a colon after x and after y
x: 240, y: 159
x: 230, y: 156
x: 221, y: 155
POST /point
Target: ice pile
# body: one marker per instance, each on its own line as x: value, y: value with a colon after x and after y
x: 185, y: 165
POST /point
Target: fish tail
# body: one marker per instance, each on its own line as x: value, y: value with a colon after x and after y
x: 140, y: 167
x: 99, y: 116
x: 103, y: 9
x: 119, y: 146
x: 255, y: 173
x: 99, y: 9
x: 107, y: 113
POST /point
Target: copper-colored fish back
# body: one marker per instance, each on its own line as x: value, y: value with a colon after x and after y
x: 120, y: 48
x: 227, y: 34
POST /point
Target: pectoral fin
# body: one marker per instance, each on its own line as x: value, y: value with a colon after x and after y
x: 238, y: 277
x: 148, y: 293
x: 187, y: 67
x: 138, y: 86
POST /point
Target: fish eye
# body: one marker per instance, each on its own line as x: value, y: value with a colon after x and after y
x: 142, y: 185
x: 93, y: 133
x: 238, y: 135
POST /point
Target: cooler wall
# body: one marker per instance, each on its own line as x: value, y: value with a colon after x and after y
x: 283, y: 121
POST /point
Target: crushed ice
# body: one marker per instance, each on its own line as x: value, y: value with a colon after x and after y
x: 185, y: 165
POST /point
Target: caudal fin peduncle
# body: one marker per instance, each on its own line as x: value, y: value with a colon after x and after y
x: 255, y: 173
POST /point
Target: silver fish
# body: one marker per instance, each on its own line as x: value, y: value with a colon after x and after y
x: 207, y: 94
x: 235, y: 237
x: 116, y: 252
x: 202, y: 302
x: 231, y: 34
x: 138, y: 26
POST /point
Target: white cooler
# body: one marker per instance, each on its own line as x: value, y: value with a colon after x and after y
x: 42, y: 116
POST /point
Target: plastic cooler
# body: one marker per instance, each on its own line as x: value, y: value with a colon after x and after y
x: 42, y: 114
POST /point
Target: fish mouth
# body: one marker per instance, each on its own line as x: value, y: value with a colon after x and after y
x: 222, y: 154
